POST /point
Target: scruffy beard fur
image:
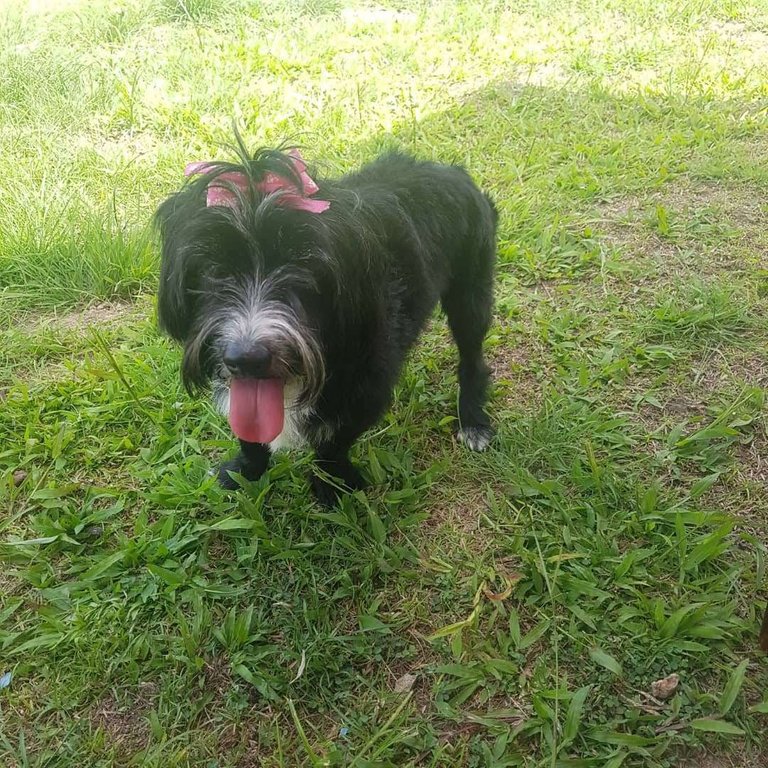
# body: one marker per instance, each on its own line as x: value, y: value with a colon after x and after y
x: 339, y: 297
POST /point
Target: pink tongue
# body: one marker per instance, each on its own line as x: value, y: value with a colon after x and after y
x: 256, y: 409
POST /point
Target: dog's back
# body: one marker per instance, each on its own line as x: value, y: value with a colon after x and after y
x: 431, y: 217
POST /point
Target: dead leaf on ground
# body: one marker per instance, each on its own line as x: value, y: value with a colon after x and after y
x: 664, y: 688
x: 510, y: 580
x: 302, y: 666
x: 405, y: 683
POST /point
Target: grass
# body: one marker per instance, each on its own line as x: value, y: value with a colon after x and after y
x: 507, y: 609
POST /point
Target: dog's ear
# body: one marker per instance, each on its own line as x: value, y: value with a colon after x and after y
x: 174, y: 300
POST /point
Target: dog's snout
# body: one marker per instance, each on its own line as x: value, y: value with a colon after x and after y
x: 248, y: 359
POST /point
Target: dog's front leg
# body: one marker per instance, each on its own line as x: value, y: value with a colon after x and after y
x: 334, y: 474
x: 251, y: 463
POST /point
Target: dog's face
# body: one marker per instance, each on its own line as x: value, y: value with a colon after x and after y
x: 244, y: 288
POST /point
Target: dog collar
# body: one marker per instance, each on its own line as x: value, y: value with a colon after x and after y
x: 221, y: 190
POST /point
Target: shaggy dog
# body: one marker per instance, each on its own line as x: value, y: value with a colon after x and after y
x: 299, y: 300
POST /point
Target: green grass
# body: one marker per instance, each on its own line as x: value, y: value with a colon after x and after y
x: 615, y: 533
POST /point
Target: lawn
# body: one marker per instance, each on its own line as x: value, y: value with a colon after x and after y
x: 512, y: 608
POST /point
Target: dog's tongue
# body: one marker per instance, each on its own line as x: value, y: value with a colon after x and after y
x: 256, y: 409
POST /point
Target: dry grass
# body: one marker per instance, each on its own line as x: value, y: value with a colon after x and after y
x: 709, y: 229
x: 100, y: 315
x: 124, y: 723
x: 745, y: 757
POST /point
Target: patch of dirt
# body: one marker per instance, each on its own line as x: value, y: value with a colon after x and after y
x: 240, y: 742
x: 691, y: 386
x: 695, y: 392
x: 747, y: 504
x: 742, y: 205
x: 104, y: 313
x: 752, y: 459
x: 740, y: 758
x: 249, y: 743
x: 54, y: 362
x: 125, y: 146
x: 125, y: 724
x: 747, y: 32
x: 218, y: 679
x: 713, y: 228
x: 9, y: 584
x: 503, y: 710
x: 513, y: 364
x: 450, y: 517
x: 405, y: 676
x: 743, y: 490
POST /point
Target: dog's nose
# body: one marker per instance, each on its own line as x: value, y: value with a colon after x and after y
x: 247, y: 359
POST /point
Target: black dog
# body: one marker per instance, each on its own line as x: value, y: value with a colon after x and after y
x: 300, y: 301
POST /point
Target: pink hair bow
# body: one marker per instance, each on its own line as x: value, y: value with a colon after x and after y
x: 220, y: 190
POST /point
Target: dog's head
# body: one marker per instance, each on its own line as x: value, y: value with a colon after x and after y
x: 247, y: 271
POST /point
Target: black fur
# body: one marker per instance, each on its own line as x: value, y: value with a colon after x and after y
x: 354, y: 287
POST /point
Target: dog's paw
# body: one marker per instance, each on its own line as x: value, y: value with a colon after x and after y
x: 226, y: 481
x: 238, y: 466
x: 329, y: 490
x: 476, y: 438
x: 326, y: 493
x: 353, y: 479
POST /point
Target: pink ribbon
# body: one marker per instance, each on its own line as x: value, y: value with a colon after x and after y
x: 220, y: 190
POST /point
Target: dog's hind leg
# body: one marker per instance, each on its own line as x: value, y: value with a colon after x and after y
x: 251, y: 463
x: 468, y: 304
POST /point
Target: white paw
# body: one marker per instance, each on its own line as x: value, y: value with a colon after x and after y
x: 475, y: 438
